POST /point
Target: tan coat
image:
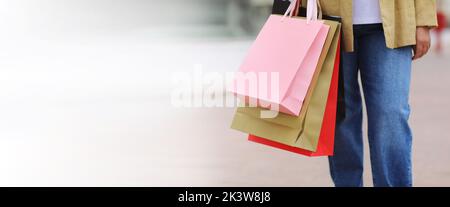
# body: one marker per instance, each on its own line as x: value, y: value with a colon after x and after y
x: 400, y: 19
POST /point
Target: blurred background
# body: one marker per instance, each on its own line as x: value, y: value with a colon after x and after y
x: 85, y: 98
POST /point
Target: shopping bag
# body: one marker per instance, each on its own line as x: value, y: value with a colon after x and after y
x: 279, y: 67
x: 279, y: 7
x: 302, y: 131
x: 325, y: 146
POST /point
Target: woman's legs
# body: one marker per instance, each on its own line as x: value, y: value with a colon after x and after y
x: 385, y: 75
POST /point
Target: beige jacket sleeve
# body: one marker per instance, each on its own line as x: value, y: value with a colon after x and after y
x: 426, y: 13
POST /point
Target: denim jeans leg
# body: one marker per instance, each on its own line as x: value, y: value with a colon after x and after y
x: 346, y: 166
x: 385, y: 76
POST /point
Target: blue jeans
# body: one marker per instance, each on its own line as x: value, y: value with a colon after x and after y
x: 385, y: 77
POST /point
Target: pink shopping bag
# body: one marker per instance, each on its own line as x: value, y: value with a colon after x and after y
x: 278, y: 69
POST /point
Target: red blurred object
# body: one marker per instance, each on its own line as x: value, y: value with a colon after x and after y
x: 325, y: 146
x: 442, y: 23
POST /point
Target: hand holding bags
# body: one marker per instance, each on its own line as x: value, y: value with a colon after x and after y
x: 312, y: 133
x: 285, y: 49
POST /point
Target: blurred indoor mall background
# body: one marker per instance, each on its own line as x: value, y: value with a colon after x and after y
x: 85, y: 98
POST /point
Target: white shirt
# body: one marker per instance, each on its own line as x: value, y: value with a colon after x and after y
x: 366, y: 12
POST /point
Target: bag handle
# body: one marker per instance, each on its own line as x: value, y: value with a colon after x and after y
x: 314, y: 10
x: 297, y: 7
x: 291, y: 9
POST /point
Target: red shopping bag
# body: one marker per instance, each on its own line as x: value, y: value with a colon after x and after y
x: 325, y: 146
